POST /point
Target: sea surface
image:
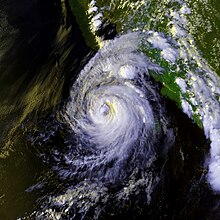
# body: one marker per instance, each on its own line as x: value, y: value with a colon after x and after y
x: 109, y: 109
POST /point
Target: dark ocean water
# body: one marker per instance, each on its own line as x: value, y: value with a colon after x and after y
x: 41, y: 56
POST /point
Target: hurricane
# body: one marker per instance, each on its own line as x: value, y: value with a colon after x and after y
x: 112, y: 110
x: 120, y: 129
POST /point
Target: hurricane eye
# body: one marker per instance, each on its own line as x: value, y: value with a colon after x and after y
x: 104, y: 109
